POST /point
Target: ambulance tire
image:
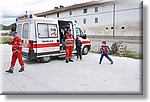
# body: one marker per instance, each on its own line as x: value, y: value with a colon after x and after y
x: 85, y: 50
x: 45, y: 59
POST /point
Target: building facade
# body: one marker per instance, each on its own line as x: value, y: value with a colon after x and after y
x: 103, y: 17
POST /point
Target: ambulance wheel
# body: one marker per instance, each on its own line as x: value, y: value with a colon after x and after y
x: 85, y: 50
x: 45, y: 59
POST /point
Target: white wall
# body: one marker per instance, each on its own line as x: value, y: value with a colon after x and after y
x: 126, y: 12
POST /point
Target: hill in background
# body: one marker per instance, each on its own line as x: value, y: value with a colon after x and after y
x: 3, y: 27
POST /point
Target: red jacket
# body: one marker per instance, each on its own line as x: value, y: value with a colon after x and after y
x: 16, y: 44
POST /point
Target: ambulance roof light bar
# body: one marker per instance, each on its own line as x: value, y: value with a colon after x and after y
x: 24, y: 17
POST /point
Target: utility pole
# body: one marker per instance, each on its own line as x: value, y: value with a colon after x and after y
x: 26, y: 12
x: 114, y: 20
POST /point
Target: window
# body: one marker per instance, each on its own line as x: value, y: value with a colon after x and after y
x: 84, y: 21
x: 96, y: 9
x: 84, y: 10
x: 47, y: 30
x: 122, y: 27
x: 96, y: 20
x: 57, y: 14
x: 70, y: 13
x: 43, y: 31
x: 19, y: 30
x: 112, y: 27
x: 79, y: 32
x: 25, y: 30
x: 106, y: 28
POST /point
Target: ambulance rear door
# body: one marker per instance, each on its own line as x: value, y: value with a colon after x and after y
x: 25, y: 38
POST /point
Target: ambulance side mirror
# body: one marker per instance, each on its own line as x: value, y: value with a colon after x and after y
x: 84, y: 36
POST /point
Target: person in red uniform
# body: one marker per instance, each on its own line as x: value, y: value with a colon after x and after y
x: 69, y: 46
x: 17, y: 52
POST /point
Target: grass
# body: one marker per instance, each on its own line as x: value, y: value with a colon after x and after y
x: 4, y: 40
x: 133, y: 55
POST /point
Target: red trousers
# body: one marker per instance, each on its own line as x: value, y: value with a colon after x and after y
x: 14, y: 58
x: 69, y: 52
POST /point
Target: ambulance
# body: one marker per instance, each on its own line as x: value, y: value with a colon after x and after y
x: 44, y: 38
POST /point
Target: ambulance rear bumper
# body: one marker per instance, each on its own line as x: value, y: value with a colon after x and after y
x: 30, y: 55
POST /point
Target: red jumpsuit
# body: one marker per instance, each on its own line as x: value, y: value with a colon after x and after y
x: 69, y: 46
x: 17, y: 52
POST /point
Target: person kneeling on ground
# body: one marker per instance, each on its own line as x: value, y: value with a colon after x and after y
x: 104, y: 50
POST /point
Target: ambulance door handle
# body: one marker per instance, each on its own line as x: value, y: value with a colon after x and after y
x: 57, y: 40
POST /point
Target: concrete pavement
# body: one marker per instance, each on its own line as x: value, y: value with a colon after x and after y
x: 86, y: 76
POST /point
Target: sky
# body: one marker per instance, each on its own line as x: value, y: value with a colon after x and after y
x: 10, y: 9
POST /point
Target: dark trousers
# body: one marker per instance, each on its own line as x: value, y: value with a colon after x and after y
x: 106, y: 55
x: 79, y: 54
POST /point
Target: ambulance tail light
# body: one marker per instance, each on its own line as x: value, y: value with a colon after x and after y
x: 30, y: 44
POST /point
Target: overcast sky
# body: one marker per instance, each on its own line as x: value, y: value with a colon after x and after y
x: 10, y: 9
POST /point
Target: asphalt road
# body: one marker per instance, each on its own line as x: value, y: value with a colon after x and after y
x: 87, y: 76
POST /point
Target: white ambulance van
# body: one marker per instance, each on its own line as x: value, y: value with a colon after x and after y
x: 44, y: 37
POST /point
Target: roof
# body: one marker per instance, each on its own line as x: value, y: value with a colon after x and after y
x: 75, y: 6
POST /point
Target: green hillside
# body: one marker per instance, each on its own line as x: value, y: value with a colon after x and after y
x: 3, y: 27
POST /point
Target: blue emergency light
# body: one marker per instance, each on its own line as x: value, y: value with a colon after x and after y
x: 16, y: 19
x: 30, y: 16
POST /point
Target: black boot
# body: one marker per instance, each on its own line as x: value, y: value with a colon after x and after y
x: 70, y: 60
x: 21, y: 70
x: 9, y: 71
x: 66, y: 61
x: 111, y: 62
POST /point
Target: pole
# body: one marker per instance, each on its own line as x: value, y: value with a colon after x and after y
x: 113, y: 20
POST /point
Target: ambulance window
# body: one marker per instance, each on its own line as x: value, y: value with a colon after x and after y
x: 19, y: 30
x: 25, y: 30
x: 52, y: 30
x: 43, y: 31
x: 79, y: 32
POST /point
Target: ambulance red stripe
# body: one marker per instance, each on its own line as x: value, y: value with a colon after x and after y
x: 45, y: 45
x: 85, y: 42
x: 52, y: 45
